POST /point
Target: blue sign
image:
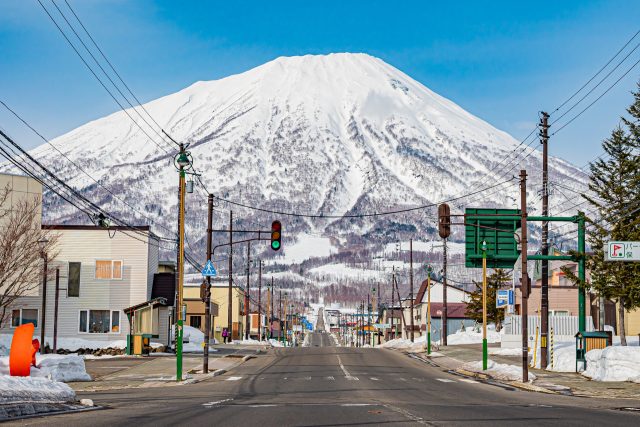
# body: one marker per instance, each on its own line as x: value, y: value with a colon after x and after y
x: 504, y: 297
x: 209, y: 270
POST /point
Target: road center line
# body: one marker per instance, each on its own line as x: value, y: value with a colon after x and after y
x: 444, y: 380
x: 234, y: 378
x: 217, y: 402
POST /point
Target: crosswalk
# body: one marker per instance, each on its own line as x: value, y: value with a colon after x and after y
x: 379, y: 378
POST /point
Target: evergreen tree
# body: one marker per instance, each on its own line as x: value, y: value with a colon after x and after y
x: 615, y: 198
x: 499, y: 279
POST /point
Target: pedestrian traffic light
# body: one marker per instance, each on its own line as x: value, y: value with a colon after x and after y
x: 444, y: 220
x: 276, y: 235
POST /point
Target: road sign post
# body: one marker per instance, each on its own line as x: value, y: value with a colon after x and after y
x: 484, y: 305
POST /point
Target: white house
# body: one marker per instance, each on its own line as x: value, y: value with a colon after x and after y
x: 101, y: 272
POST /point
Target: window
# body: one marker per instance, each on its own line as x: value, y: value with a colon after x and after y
x: 559, y: 313
x: 107, y: 269
x: 195, y: 321
x: 73, y: 283
x: 23, y: 316
x: 99, y: 321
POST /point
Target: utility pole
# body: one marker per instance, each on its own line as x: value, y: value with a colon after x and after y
x: 43, y: 315
x: 544, y: 304
x: 247, y: 296
x: 230, y: 302
x: 280, y: 313
x: 207, y: 295
x: 378, y: 311
x: 443, y: 334
x: 411, y: 282
x: 369, y: 317
x: 260, y: 300
x: 272, y: 312
x: 55, y: 312
x: 525, y: 277
x: 183, y: 162
x: 394, y: 326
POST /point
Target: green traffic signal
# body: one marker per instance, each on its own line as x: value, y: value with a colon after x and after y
x: 275, y: 245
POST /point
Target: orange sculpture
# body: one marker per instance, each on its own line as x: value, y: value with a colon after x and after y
x: 23, y: 351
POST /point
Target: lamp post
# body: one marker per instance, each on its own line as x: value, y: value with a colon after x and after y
x: 42, y: 245
x: 182, y: 162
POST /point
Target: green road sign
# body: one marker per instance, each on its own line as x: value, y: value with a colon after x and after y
x: 497, y: 227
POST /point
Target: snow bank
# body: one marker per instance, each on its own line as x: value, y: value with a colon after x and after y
x: 403, y: 344
x: 614, y: 364
x: 193, y: 340
x: 505, y: 351
x: 275, y: 343
x: 470, y: 336
x: 29, y: 389
x: 55, y: 367
x: 250, y: 341
x: 499, y: 371
x: 72, y: 344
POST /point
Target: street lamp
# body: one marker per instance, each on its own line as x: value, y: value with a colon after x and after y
x: 42, y: 245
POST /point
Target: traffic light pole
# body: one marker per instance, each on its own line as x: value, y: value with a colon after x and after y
x: 207, y: 300
x: 411, y: 282
x: 484, y: 306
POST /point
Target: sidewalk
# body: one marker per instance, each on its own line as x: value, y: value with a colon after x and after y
x: 155, y: 372
x: 453, y: 357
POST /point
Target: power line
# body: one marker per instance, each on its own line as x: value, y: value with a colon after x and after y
x: 374, y: 214
x: 110, y: 64
x: 597, y: 99
x: 597, y: 73
x: 98, y: 78
x: 78, y: 166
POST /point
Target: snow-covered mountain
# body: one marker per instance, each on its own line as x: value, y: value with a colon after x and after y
x: 333, y: 134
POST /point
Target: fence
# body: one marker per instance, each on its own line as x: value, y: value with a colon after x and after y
x: 562, y: 325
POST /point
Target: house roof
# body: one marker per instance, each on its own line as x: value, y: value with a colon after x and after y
x: 423, y: 290
x: 152, y: 302
x: 455, y: 310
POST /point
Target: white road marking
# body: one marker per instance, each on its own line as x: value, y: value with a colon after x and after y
x: 444, y: 380
x: 262, y: 406
x: 331, y: 378
x: 374, y: 379
x: 357, y: 404
x: 307, y: 378
x: 467, y: 380
x: 234, y: 378
x: 217, y: 402
x: 402, y: 379
x: 347, y: 375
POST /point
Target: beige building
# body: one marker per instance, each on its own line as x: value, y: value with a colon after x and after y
x: 219, y: 297
x: 20, y: 189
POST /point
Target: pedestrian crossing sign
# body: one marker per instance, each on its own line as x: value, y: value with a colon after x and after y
x: 209, y: 270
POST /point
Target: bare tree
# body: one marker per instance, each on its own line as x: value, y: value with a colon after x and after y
x: 21, y: 267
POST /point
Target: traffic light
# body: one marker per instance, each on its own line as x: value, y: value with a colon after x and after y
x: 444, y: 220
x: 276, y: 235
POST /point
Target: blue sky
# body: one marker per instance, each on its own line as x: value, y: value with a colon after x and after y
x: 502, y: 61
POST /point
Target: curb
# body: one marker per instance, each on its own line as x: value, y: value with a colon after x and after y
x: 530, y: 387
x: 474, y: 374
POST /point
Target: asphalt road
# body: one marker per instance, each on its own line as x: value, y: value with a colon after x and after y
x: 333, y: 386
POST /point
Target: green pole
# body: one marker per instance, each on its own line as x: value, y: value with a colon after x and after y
x: 581, y: 272
x: 484, y: 305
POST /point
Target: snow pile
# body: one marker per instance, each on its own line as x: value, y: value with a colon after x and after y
x: 29, y: 389
x: 193, y: 340
x: 249, y: 341
x: 614, y: 364
x: 470, y: 336
x: 506, y: 351
x: 307, y: 340
x: 499, y: 371
x: 72, y: 344
x: 336, y: 339
x: 276, y: 343
x: 55, y: 367
x: 403, y: 344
